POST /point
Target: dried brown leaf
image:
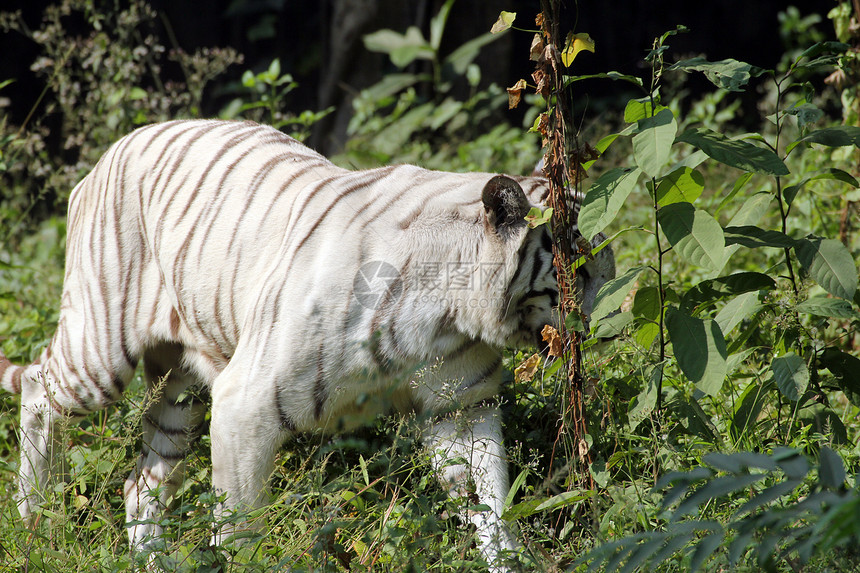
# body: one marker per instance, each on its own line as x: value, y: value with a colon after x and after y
x: 515, y: 93
x: 525, y: 372
x: 553, y: 339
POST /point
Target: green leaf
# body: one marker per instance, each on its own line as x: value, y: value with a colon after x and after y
x: 739, y: 462
x: 734, y: 152
x: 646, y: 303
x: 564, y: 499
x: 830, y: 264
x: 806, y: 114
x: 838, y: 136
x: 466, y: 53
x: 726, y: 74
x: 536, y: 217
x: 791, y: 462
x: 646, y: 309
x: 684, y: 185
x: 753, y: 237
x: 831, y: 470
x: 768, y: 495
x: 615, y: 76
x: 643, y: 404
x: 505, y: 21
x: 611, y: 326
x: 700, y: 349
x: 846, y: 369
x: 604, y: 199
x: 748, y: 407
x: 651, y: 146
x: 736, y: 310
x: 613, y: 292
x: 712, y: 290
x: 715, y: 489
x: 403, y: 49
x: 637, y: 109
x: 437, y: 24
x: 523, y: 509
x: 694, y: 235
x: 832, y: 173
x: 600, y: 147
x: 739, y: 184
x: 753, y: 209
x: 830, y: 307
x: 705, y: 548
x: 791, y: 375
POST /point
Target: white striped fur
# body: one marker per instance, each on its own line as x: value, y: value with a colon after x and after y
x: 227, y: 254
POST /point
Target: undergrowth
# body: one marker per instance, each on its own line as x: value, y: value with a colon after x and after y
x: 722, y: 412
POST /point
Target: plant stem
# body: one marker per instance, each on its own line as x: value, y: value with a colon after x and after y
x: 783, y: 212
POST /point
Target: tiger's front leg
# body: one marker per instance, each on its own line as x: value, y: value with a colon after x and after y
x: 475, y: 435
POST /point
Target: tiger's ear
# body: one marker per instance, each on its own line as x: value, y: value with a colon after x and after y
x: 505, y: 203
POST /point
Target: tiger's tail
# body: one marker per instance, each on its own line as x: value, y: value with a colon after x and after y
x: 10, y: 375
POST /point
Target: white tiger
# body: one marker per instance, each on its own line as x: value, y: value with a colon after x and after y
x: 228, y: 256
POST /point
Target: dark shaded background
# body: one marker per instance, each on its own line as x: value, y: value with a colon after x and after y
x: 319, y: 42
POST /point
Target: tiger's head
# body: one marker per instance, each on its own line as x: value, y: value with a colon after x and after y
x: 530, y: 285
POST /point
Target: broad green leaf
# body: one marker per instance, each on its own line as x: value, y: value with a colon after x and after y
x: 734, y: 152
x: 736, y: 310
x: 830, y: 263
x: 831, y: 470
x: 753, y: 237
x: 694, y: 235
x: 727, y: 74
x: 646, y: 309
x: 611, y: 326
x: 806, y: 114
x: 830, y: 307
x: 700, y: 349
x: 637, y: 109
x: 505, y: 21
x: 846, y: 369
x: 646, y: 303
x: 651, y: 146
x: 791, y: 375
x: 604, y: 199
x: 403, y: 49
x: 838, y: 136
x: 683, y: 185
x: 752, y: 210
x: 612, y: 294
x: 833, y: 173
